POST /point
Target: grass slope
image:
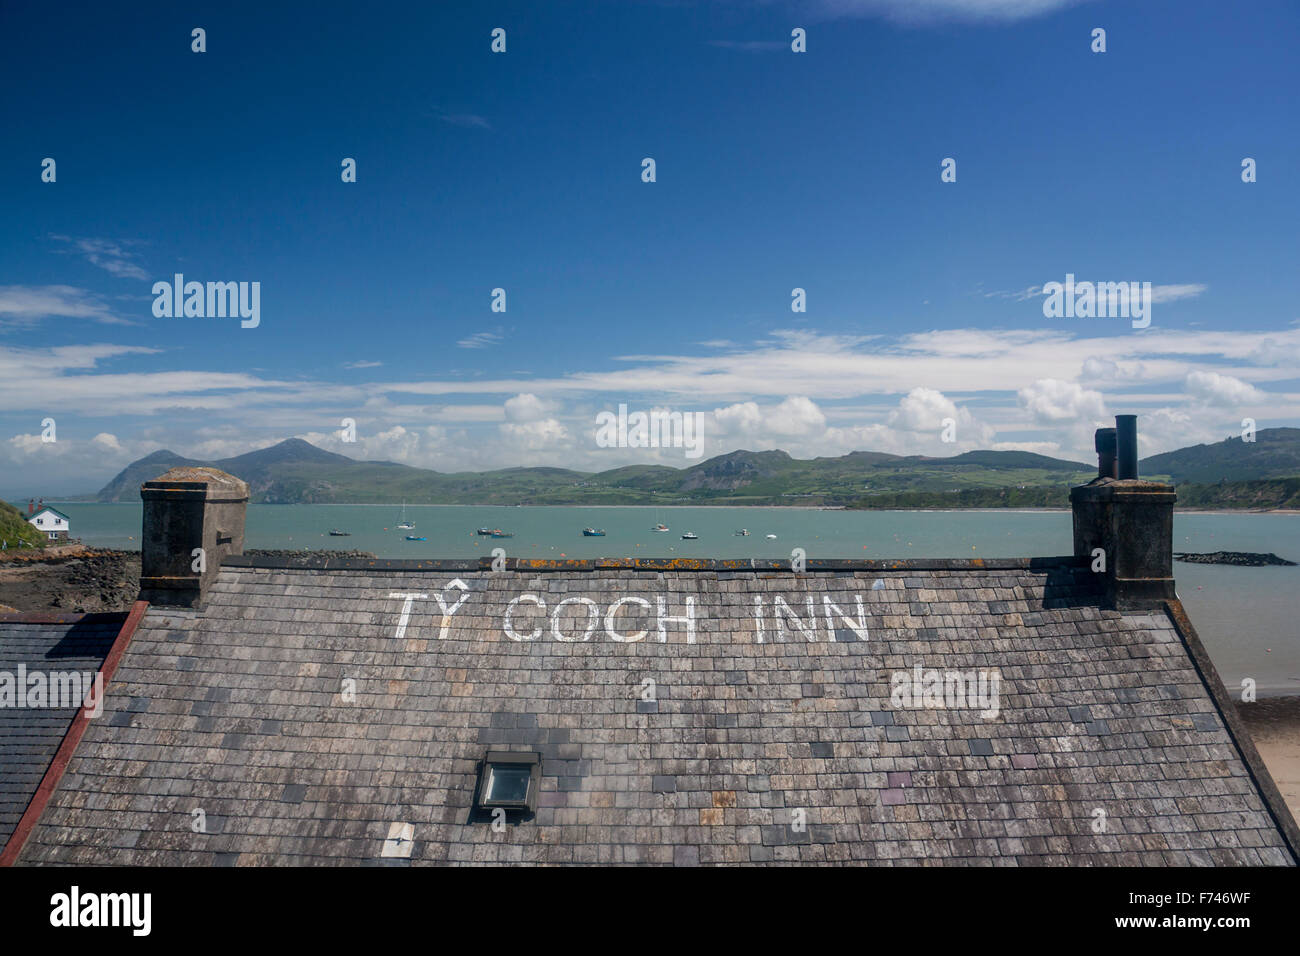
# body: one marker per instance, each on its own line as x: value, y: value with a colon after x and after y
x: 15, y: 530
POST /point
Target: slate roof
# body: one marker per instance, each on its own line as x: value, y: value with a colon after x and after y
x: 29, y: 737
x: 1109, y: 746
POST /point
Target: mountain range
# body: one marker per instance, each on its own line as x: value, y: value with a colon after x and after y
x: 295, y: 471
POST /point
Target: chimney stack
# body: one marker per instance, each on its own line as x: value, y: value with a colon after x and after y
x: 193, y: 518
x: 1104, y: 442
x: 1123, y: 526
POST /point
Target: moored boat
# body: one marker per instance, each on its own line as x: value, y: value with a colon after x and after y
x: 690, y: 536
x: 593, y: 532
x: 412, y: 537
x: 336, y: 533
x: 660, y: 527
x: 742, y: 533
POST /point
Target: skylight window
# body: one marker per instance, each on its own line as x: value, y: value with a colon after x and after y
x: 509, y: 781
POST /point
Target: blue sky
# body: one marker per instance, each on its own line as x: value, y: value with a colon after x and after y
x: 522, y: 171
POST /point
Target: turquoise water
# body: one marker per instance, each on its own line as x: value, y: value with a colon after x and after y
x: 1246, y: 616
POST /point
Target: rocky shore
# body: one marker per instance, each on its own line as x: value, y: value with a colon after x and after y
x: 1242, y: 559
x: 79, y: 580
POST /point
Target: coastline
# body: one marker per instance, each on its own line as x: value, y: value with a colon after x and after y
x: 409, y: 504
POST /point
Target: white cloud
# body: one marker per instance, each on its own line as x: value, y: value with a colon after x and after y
x: 1100, y: 371
x: 807, y: 393
x: 831, y: 367
x: 525, y: 407
x: 743, y: 418
x: 1049, y: 448
x: 108, y: 443
x: 25, y: 446
x: 796, y: 417
x: 1050, y: 401
x: 419, y: 447
x: 546, y: 434
x: 1021, y: 295
x: 480, y: 340
x: 464, y: 120
x: 38, y: 379
x: 930, y: 11
x: 112, y: 256
x: 922, y: 410
x: 26, y: 305
x: 71, y: 465
x: 1221, y: 390
x: 1172, y: 293
x: 1164, y: 429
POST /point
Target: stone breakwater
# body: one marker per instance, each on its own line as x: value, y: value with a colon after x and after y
x: 1245, y: 559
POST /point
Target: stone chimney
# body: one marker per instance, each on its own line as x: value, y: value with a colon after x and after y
x: 1129, y: 521
x: 188, y: 510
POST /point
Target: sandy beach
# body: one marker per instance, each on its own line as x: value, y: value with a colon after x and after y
x: 1274, y: 724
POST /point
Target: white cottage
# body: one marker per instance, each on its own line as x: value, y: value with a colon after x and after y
x: 54, y: 524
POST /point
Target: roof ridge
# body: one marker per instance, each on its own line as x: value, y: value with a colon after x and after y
x: 313, y: 562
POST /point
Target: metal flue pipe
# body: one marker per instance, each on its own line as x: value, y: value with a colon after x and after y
x: 1126, y: 440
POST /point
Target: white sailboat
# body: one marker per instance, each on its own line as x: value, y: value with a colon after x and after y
x: 405, y: 525
x: 659, y: 525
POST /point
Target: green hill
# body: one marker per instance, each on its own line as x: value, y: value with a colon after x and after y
x: 1263, y: 494
x: 295, y: 471
x: 1275, y: 453
x: 15, y: 531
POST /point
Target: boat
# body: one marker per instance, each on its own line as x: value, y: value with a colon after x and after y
x: 742, y: 533
x: 498, y: 533
x: 405, y: 525
x: 660, y: 527
x: 690, y: 536
x: 771, y: 537
x: 413, y: 537
x: 593, y: 532
x: 484, y: 531
x: 336, y: 533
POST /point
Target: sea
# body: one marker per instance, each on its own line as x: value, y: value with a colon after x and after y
x: 1248, y: 618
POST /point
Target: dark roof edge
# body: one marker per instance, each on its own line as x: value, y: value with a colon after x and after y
x: 308, y: 561
x: 68, y: 746
x: 61, y: 617
x: 1227, y: 709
